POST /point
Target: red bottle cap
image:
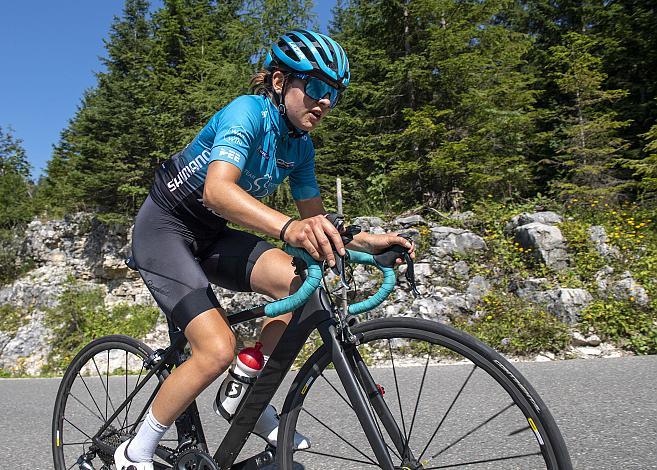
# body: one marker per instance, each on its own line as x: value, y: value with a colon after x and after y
x: 252, y: 357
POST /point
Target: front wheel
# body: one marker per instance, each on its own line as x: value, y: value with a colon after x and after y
x: 449, y: 401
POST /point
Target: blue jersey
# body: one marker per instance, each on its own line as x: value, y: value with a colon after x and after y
x: 251, y: 134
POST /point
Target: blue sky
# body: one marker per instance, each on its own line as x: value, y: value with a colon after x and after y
x: 50, y: 51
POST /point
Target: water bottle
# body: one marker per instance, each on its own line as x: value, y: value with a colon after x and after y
x: 239, y: 380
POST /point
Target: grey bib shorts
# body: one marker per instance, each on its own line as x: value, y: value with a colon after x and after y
x: 178, y: 260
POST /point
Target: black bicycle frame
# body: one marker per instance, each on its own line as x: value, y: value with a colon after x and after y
x: 314, y: 314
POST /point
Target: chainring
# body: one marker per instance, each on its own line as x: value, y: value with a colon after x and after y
x: 195, y: 459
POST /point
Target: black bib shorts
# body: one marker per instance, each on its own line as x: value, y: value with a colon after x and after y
x: 178, y: 262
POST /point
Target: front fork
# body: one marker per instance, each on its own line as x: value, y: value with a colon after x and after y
x: 375, y: 395
x: 345, y: 370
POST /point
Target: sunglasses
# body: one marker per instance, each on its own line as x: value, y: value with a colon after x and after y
x: 317, y: 89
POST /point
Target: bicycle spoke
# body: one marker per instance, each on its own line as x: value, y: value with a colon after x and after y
x: 336, y: 391
x: 521, y: 430
x: 473, y: 430
x: 107, y: 380
x: 74, y: 443
x: 419, y: 394
x: 87, y: 408
x: 93, y: 359
x: 376, y: 421
x: 127, y: 411
x: 89, y: 392
x: 126, y: 387
x: 74, y: 464
x: 474, y: 368
x: 338, y: 435
x: 394, y: 372
x: 476, y: 462
x: 338, y: 457
x: 79, y: 430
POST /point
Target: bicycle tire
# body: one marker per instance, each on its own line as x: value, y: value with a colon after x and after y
x: 497, y: 380
x: 78, y: 414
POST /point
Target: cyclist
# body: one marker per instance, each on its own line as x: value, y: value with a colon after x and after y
x: 181, y: 242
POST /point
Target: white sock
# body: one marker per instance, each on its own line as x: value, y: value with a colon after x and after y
x: 142, y: 447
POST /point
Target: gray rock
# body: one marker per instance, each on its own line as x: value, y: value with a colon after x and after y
x: 566, y: 304
x: 529, y: 289
x: 626, y: 288
x: 478, y: 288
x: 461, y: 269
x: 546, y: 242
x: 410, y: 221
x: 598, y: 236
x: 546, y: 218
x: 602, y: 279
x: 578, y: 339
x: 431, y: 308
x: 26, y: 352
x: 466, y: 216
x: 450, y: 241
x: 368, y: 223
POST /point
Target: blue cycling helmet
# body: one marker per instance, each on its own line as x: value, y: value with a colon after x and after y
x: 309, y: 52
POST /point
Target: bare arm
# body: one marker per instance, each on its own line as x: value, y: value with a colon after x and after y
x: 223, y: 195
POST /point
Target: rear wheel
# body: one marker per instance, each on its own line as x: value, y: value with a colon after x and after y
x: 456, y: 403
x: 99, y: 379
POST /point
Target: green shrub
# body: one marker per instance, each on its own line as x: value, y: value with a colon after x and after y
x: 81, y: 316
x: 624, y: 322
x: 12, y: 319
x: 507, y: 324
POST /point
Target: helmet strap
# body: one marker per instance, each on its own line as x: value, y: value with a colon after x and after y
x: 293, y: 132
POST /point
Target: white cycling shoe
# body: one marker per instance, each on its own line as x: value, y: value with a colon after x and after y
x: 122, y: 462
x: 267, y: 428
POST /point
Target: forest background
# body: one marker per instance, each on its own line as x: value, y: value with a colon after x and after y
x: 493, y: 105
x: 452, y: 102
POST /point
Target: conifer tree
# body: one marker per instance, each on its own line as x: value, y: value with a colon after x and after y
x: 103, y: 158
x: 16, y: 204
x: 587, y: 144
x: 440, y: 100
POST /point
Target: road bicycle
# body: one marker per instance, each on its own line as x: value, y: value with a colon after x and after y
x: 398, y: 393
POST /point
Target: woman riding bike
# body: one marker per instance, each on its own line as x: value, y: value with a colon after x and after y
x: 181, y: 242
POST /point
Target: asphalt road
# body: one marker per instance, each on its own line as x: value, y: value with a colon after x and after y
x: 605, y: 408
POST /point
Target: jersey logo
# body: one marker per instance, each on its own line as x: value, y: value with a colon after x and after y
x: 188, y: 170
x: 236, y: 135
x: 280, y: 163
x: 230, y: 154
x: 263, y: 154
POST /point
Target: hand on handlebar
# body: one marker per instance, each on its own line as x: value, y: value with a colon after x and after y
x: 384, y: 242
x: 317, y: 236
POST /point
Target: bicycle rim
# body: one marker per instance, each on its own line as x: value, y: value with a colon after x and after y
x: 456, y: 403
x: 99, y: 379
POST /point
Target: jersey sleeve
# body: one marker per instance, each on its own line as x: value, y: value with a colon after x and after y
x: 237, y: 130
x: 303, y: 181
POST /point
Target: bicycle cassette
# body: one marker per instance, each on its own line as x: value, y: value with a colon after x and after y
x: 195, y: 459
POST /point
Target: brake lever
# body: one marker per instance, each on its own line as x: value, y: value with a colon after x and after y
x: 410, y: 266
x: 410, y: 274
x: 347, y: 236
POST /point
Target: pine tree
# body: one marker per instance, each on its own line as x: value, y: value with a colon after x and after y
x: 104, y: 157
x: 440, y: 101
x: 587, y: 144
x: 16, y: 205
